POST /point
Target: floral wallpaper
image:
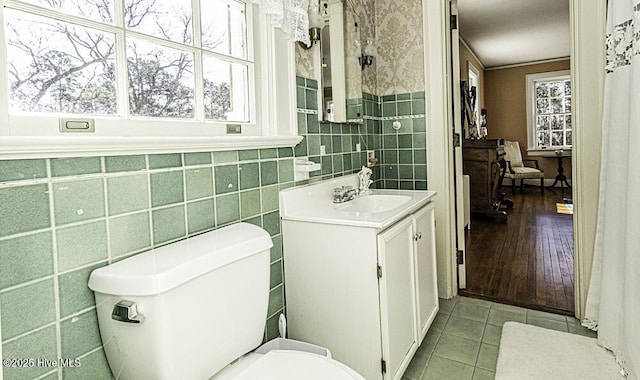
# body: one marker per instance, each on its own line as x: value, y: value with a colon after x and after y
x: 395, y: 26
x: 353, y: 46
x: 399, y: 39
x: 367, y: 11
x: 304, y: 63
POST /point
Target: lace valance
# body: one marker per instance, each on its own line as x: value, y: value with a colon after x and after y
x: 288, y: 15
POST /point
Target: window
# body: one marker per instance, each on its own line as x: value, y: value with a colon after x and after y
x: 142, y: 67
x: 474, y: 81
x: 549, y: 110
x: 64, y: 57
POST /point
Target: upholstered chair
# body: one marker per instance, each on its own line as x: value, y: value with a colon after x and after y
x: 516, y: 168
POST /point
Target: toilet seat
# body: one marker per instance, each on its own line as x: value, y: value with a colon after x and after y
x: 297, y: 365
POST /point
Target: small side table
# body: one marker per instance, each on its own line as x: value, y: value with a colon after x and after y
x: 560, y: 177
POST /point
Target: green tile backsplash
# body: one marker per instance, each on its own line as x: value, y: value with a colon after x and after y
x: 62, y: 218
x: 29, y: 209
x: 22, y: 169
x: 402, y: 152
x: 116, y: 164
x: 339, y: 140
x: 168, y: 224
x: 30, y: 307
x: 62, y: 167
x: 199, y: 183
x: 81, y: 244
x: 32, y: 256
x: 57, y: 229
x: 38, y: 344
x: 75, y: 296
x: 167, y: 188
x: 201, y: 215
x: 76, y: 201
x: 80, y: 334
x: 160, y: 161
x: 129, y: 233
x: 127, y: 194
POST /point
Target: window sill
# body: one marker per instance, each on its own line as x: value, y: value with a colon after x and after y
x: 82, y: 146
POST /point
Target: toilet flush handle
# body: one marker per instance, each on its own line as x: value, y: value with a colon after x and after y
x: 127, y: 311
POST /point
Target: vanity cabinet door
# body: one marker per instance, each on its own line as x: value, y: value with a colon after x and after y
x: 425, y: 258
x: 398, y: 312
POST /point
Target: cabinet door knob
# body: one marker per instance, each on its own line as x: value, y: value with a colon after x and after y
x: 419, y: 235
x: 416, y: 236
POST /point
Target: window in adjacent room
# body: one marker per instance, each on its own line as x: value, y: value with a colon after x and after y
x: 549, y: 110
x: 474, y: 81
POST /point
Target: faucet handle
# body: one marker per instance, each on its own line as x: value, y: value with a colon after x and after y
x: 337, y: 194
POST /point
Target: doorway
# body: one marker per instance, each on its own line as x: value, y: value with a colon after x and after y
x: 527, y: 261
x: 588, y: 57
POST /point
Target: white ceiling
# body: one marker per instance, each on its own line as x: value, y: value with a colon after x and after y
x: 507, y: 32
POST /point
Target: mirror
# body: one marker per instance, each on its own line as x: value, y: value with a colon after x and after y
x: 341, y: 89
x: 353, y: 68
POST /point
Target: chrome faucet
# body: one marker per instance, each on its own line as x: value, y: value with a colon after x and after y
x: 345, y: 194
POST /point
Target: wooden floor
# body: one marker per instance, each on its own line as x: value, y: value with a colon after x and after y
x: 529, y: 260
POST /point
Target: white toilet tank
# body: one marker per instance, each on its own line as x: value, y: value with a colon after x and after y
x: 201, y: 303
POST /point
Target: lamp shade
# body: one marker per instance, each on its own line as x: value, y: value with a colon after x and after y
x: 315, y: 19
x: 370, y: 49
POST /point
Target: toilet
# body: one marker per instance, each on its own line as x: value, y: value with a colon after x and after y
x: 196, y: 309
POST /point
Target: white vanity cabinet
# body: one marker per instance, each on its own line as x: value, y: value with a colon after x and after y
x: 425, y: 255
x: 367, y: 293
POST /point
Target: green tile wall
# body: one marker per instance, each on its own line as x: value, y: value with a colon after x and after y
x: 402, y: 153
x: 62, y: 218
x: 339, y: 139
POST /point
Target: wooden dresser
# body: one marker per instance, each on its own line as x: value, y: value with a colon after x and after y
x: 481, y: 160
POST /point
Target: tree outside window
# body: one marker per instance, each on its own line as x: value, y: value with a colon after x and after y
x: 549, y: 110
x: 85, y: 56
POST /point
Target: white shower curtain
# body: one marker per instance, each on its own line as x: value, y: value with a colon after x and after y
x: 613, y: 302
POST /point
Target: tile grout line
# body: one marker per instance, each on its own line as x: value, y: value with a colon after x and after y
x: 27, y: 283
x: 35, y: 330
x: 80, y: 177
x: 184, y: 197
x: 149, y: 208
x: 107, y: 224
x: 27, y: 233
x: 54, y: 248
x: 215, y: 196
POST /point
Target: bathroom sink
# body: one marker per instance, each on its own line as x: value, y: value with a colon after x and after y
x: 378, y: 209
x: 374, y: 203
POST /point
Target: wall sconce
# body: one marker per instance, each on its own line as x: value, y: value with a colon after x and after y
x: 368, y: 54
x: 316, y: 23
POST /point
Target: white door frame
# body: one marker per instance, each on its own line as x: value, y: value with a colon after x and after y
x: 588, y: 28
x: 587, y: 68
x: 454, y: 53
x: 439, y: 140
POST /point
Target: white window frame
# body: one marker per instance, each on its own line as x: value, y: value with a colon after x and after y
x: 473, y: 71
x: 274, y: 123
x: 531, y: 79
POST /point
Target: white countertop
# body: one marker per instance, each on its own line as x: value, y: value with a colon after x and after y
x: 314, y: 203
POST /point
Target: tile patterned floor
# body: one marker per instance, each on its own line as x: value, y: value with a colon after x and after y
x: 463, y: 341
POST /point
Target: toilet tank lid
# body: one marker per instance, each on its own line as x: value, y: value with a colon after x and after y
x: 162, y: 269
